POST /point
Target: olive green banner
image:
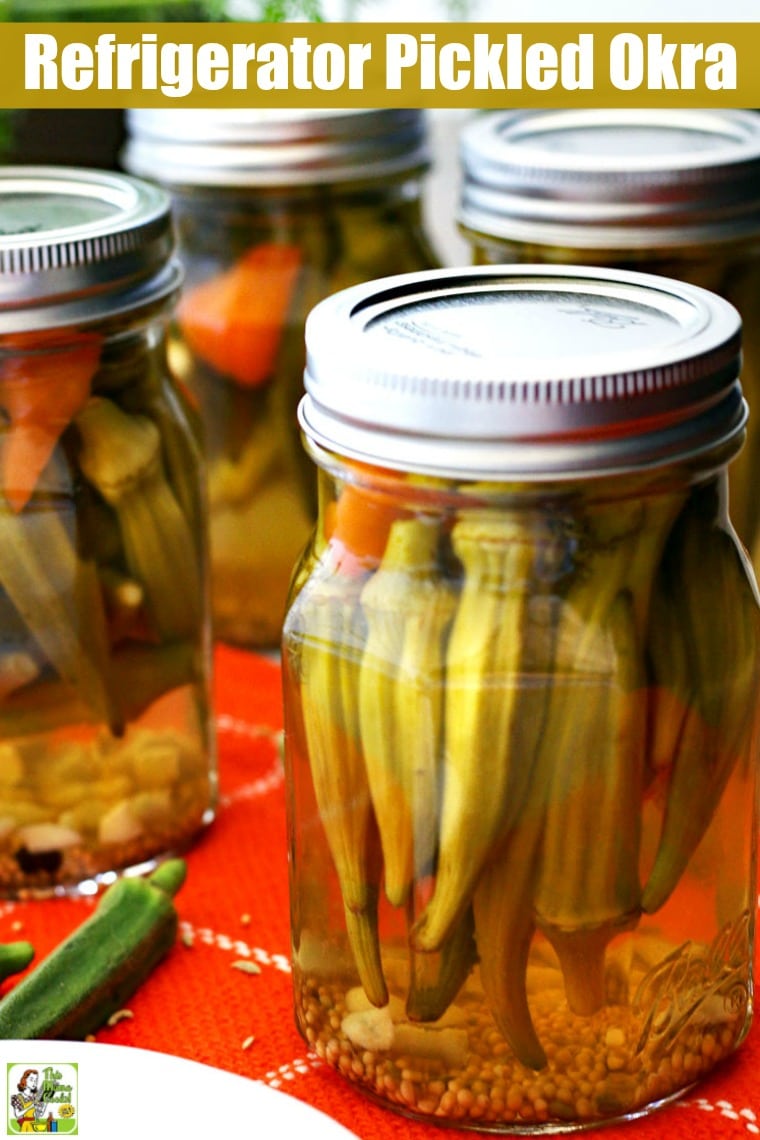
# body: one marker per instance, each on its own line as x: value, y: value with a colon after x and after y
x: 437, y: 64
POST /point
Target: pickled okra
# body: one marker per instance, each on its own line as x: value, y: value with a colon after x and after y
x: 407, y: 612
x: 274, y: 211
x: 499, y: 558
x: 716, y: 718
x: 330, y: 688
x: 520, y: 663
x: 106, y: 748
x: 101, y: 575
x: 481, y: 655
x: 120, y: 456
x: 14, y: 958
x: 245, y: 366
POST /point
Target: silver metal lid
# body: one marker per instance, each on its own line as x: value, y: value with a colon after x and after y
x: 527, y: 372
x: 273, y: 146
x: 80, y: 245
x: 620, y: 179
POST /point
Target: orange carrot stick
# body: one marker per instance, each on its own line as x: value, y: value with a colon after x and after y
x: 235, y: 321
x: 40, y: 393
x: 357, y: 526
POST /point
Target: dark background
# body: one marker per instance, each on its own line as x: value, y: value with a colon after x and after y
x: 66, y: 138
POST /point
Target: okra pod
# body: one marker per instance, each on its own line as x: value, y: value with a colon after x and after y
x: 14, y: 957
x: 94, y: 971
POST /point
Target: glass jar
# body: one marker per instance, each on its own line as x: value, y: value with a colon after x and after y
x: 673, y: 192
x: 106, y: 750
x: 520, y: 669
x: 274, y: 210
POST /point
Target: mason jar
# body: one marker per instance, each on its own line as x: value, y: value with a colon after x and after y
x: 106, y: 749
x: 673, y: 192
x: 275, y: 209
x: 520, y: 668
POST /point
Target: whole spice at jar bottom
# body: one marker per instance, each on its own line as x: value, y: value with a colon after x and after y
x: 462, y: 1069
x: 96, y: 802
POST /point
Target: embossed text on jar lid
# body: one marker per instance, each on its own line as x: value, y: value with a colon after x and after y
x: 523, y: 371
x: 615, y: 178
x: 274, y: 146
x: 80, y: 244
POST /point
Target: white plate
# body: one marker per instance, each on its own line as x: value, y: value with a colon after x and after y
x: 119, y: 1092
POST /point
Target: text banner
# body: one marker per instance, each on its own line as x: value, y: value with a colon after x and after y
x: 438, y: 64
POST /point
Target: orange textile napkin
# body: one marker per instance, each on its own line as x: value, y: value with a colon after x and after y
x: 234, y: 905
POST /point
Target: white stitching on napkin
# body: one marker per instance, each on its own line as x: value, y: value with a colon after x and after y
x: 287, y: 1072
x: 267, y: 783
x: 234, y: 945
x: 272, y: 779
x: 745, y: 1116
x: 236, y: 724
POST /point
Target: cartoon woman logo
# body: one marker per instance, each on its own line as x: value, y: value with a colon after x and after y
x: 29, y: 1105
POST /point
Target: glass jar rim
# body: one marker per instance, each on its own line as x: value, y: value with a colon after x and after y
x: 79, y: 245
x: 271, y: 147
x: 616, y: 178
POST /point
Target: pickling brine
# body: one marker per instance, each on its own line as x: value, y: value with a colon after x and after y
x: 106, y: 752
x: 520, y: 727
x: 274, y: 210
